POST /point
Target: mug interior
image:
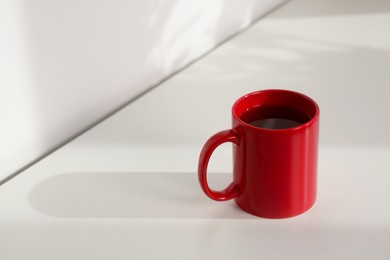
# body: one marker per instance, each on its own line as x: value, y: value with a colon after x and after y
x: 276, y: 98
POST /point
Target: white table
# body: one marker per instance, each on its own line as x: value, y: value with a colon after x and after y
x: 127, y: 188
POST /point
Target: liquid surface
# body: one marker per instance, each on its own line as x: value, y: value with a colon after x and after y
x: 275, y: 117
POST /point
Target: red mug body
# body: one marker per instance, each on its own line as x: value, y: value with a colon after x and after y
x: 274, y: 170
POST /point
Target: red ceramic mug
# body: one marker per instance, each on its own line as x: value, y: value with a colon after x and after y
x: 275, y: 137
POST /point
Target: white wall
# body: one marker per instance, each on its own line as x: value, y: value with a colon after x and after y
x: 66, y: 64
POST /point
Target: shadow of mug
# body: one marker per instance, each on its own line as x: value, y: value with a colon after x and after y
x: 128, y: 195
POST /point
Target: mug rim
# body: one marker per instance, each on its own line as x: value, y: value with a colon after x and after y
x: 295, y: 128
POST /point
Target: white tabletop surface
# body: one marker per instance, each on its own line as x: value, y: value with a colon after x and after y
x: 127, y: 188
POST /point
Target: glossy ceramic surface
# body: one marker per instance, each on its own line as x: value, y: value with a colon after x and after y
x: 275, y: 170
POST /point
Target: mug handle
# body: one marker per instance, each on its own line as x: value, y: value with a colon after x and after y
x: 231, y: 191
